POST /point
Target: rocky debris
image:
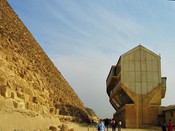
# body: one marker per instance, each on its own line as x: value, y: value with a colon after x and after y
x: 62, y: 127
x: 53, y: 128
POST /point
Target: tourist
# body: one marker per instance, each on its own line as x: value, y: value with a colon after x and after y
x: 106, y: 121
x: 170, y: 125
x: 113, y: 124
x: 100, y: 125
x: 164, y: 126
x: 119, y: 125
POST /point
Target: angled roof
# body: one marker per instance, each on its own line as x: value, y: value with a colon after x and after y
x: 170, y: 107
x: 140, y: 47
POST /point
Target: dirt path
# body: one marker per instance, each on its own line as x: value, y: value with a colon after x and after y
x: 123, y: 129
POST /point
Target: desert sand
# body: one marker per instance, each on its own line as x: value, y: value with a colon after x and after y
x: 79, y: 128
x: 13, y: 119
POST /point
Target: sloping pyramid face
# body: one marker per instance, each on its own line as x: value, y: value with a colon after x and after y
x: 26, y: 73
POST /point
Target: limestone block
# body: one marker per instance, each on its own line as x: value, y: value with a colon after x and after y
x: 9, y: 84
x: 37, y: 107
x: 29, y: 106
x: 45, y: 95
x: 53, y: 128
x: 6, y: 92
x: 30, y: 98
x: 20, y: 95
x: 26, y: 97
x: 9, y: 58
x: 35, y: 92
x: 52, y: 110
x: 19, y: 89
x: 41, y: 108
x: 34, y: 99
x: 33, y: 106
x: 3, y: 81
x: 9, y: 103
x: 63, y: 127
x: 47, y: 105
x: 45, y: 102
x: 57, y: 111
x: 22, y: 75
x: 45, y: 109
x: 40, y: 100
x: 51, y: 102
x: 72, y: 129
x: 13, y: 95
x: 19, y: 104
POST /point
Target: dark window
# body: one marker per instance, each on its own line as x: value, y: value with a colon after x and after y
x: 171, y: 113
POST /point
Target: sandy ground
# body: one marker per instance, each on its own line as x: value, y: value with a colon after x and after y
x: 123, y: 129
x: 12, y: 119
x: 15, y: 120
x: 86, y: 129
x: 83, y: 128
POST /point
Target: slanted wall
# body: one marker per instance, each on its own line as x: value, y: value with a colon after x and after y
x: 27, y: 75
x: 140, y: 70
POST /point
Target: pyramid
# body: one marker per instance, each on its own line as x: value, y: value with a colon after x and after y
x: 28, y: 76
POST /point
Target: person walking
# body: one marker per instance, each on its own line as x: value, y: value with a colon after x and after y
x: 119, y: 125
x: 106, y: 121
x: 100, y: 126
x: 113, y: 124
x: 170, y: 125
x: 164, y: 126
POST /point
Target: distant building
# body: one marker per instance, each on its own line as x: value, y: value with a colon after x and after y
x: 135, y: 88
x: 169, y: 112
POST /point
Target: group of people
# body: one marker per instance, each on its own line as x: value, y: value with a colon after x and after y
x: 102, y: 123
x: 168, y: 126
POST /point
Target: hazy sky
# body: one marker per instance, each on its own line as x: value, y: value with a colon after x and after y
x: 84, y: 38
